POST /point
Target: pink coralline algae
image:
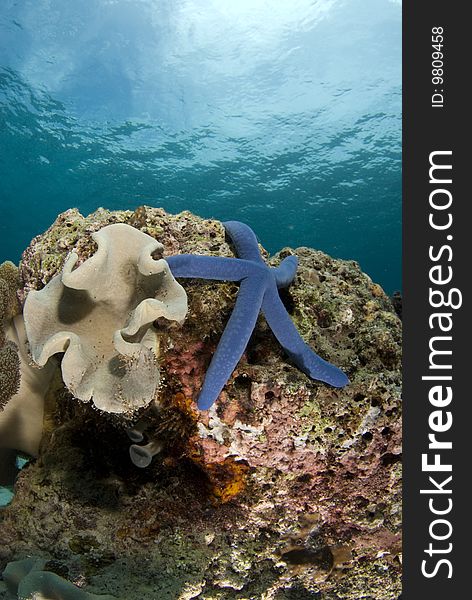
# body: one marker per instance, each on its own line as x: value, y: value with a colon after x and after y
x: 187, y: 364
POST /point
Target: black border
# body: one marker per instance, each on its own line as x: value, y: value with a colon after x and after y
x: 427, y: 129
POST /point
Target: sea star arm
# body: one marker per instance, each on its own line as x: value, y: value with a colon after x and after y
x: 285, y: 272
x: 244, y: 240
x: 234, y: 340
x: 209, y: 267
x: 301, y: 354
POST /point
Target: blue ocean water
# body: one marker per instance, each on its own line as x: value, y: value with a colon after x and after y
x: 285, y: 115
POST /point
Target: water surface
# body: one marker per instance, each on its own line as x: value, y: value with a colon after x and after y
x: 285, y: 115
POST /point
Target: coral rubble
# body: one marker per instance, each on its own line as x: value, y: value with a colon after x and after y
x: 286, y: 488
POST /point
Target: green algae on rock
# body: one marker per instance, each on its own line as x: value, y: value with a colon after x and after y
x: 286, y: 488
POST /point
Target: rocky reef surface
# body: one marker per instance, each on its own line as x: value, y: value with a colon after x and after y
x: 285, y: 489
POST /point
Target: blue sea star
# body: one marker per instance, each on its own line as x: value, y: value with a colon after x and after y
x: 258, y: 291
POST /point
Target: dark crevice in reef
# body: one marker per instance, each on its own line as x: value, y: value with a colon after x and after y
x: 397, y: 301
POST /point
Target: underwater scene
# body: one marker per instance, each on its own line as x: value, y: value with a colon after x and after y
x: 200, y: 299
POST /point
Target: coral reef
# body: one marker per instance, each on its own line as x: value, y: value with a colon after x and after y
x: 9, y: 359
x: 101, y: 316
x: 9, y: 372
x: 9, y: 284
x: 285, y: 489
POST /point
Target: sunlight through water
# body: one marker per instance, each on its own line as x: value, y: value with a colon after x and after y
x: 285, y: 115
